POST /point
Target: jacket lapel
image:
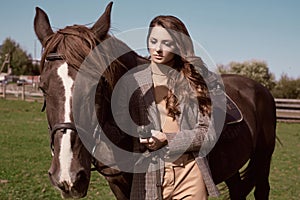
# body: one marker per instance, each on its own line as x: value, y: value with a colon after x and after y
x: 145, y: 82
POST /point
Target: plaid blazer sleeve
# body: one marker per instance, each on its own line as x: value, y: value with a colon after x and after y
x: 200, y: 136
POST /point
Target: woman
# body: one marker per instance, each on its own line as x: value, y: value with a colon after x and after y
x: 171, y: 108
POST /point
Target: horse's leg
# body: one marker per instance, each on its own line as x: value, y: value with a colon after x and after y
x: 264, y: 149
x: 262, y: 187
x: 120, y: 185
x: 119, y: 182
x: 263, y: 161
x: 234, y: 184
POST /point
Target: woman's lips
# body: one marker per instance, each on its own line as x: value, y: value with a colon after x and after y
x: 158, y: 57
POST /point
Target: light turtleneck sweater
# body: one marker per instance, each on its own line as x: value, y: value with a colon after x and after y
x: 160, y: 80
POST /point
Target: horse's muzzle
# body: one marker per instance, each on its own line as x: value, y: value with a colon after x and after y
x: 75, y: 189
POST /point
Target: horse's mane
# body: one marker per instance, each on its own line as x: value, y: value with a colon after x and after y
x: 75, y: 43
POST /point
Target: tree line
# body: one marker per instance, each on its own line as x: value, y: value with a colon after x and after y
x: 285, y: 87
x: 21, y: 63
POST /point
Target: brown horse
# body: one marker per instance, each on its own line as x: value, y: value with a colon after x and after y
x: 252, y: 139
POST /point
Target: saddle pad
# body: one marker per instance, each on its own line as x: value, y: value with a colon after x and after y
x: 233, y: 113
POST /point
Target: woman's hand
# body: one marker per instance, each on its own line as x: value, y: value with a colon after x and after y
x: 158, y: 140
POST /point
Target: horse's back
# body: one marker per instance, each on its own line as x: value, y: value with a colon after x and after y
x: 238, y: 141
x: 255, y: 101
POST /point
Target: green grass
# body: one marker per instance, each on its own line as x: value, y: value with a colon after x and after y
x: 25, y: 158
x: 25, y: 155
x: 285, y: 168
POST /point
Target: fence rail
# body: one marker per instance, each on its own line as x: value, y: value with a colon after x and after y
x: 28, y: 92
x: 288, y: 110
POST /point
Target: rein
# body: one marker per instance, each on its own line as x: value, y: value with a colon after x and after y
x: 71, y: 126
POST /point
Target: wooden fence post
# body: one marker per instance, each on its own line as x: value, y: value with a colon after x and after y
x: 23, y: 91
x: 3, y: 90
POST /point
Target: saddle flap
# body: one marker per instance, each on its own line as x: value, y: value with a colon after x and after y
x: 233, y: 113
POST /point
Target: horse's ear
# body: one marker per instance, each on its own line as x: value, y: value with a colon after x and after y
x: 101, y: 27
x: 42, y: 26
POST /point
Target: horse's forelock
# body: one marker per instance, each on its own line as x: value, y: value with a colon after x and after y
x: 76, y: 42
x: 73, y: 42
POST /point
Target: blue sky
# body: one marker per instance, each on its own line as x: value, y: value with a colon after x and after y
x: 232, y: 30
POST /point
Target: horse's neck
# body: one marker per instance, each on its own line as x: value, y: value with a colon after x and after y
x: 141, y: 60
x: 128, y: 57
x: 132, y: 60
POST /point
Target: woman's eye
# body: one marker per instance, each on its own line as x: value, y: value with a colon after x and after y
x: 168, y: 44
x: 153, y: 41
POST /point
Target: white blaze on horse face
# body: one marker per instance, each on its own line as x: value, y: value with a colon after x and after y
x: 66, y: 154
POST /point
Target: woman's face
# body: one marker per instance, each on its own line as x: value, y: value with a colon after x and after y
x: 161, y: 46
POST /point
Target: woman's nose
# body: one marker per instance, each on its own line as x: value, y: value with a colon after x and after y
x: 158, y: 47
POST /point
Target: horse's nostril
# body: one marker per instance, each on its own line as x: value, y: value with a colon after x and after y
x: 81, y: 175
x: 61, y: 186
x: 64, y: 186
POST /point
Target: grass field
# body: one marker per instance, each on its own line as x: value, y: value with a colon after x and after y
x: 25, y: 158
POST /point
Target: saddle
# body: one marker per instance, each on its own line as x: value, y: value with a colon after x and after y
x: 233, y: 116
x: 225, y: 106
x: 233, y: 113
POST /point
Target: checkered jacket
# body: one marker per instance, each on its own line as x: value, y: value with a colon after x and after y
x: 135, y: 98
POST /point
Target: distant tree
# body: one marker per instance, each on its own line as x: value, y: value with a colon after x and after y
x: 20, y: 61
x: 287, y: 87
x: 256, y: 70
x: 33, y: 69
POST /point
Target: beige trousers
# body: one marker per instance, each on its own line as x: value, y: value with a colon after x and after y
x: 183, y: 180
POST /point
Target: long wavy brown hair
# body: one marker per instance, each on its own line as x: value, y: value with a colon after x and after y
x: 179, y: 33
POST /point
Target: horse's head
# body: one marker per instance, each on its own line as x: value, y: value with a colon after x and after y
x: 64, y: 51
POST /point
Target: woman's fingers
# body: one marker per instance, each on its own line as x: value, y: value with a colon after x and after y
x: 151, y: 141
x: 155, y: 142
x: 160, y: 136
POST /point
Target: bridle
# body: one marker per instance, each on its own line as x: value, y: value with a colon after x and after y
x: 54, y: 56
x: 64, y: 126
x: 58, y: 126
